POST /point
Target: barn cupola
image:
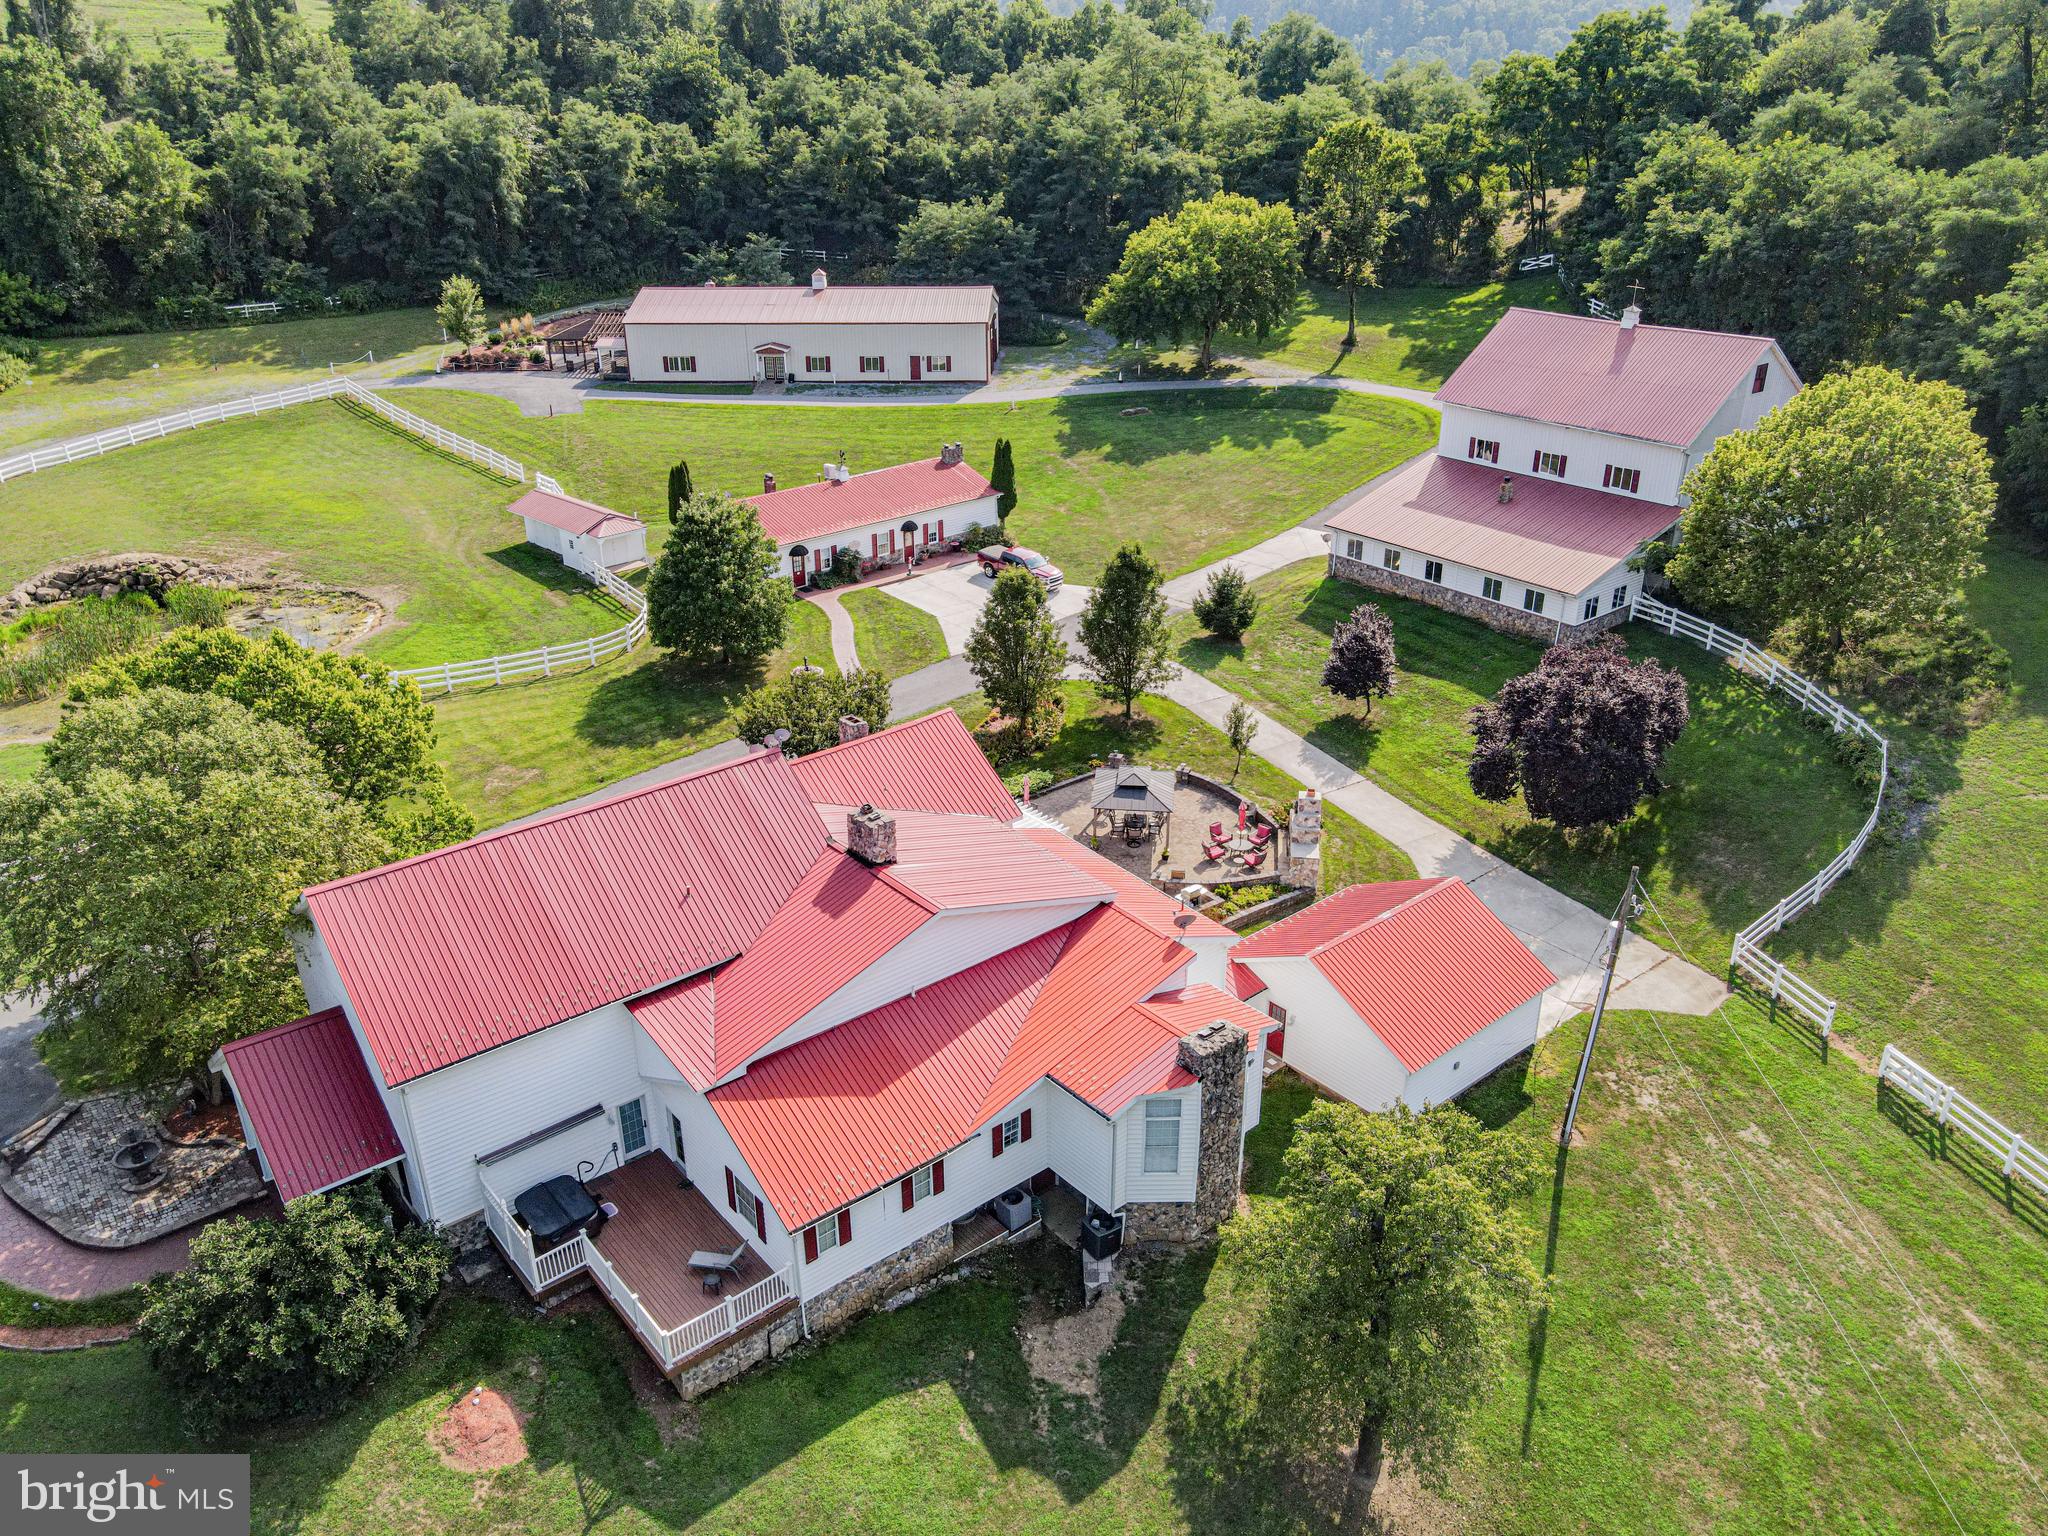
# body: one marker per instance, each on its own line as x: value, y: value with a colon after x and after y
x: 818, y: 280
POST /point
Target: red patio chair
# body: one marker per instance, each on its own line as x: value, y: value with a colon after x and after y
x: 1254, y: 859
x: 1262, y: 836
x: 1216, y: 831
x: 1213, y: 852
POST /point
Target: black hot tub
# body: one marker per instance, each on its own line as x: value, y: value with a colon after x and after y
x: 555, y: 1210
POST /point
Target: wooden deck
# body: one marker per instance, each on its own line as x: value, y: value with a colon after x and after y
x: 659, y: 1225
x: 975, y: 1232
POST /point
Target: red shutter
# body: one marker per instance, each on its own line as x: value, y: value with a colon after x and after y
x: 995, y: 1139
x: 1024, y: 1126
x: 761, y: 1218
x: 732, y: 1199
x: 875, y: 545
x: 846, y: 1226
x: 1471, y: 447
x: 1607, y: 477
x: 939, y: 1177
x: 1561, y: 461
x: 942, y: 530
x: 1536, y: 461
x: 810, y: 1245
x: 909, y: 1194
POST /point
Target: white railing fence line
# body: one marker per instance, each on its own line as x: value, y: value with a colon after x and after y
x: 1747, y: 954
x: 74, y: 449
x: 2017, y: 1157
x: 547, y: 483
x: 546, y: 660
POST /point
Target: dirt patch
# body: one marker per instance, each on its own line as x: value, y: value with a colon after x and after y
x: 1066, y: 1349
x: 481, y: 1431
x: 674, y: 1419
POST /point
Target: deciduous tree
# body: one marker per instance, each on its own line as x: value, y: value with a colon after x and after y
x: 1240, y: 726
x: 809, y: 706
x: 1396, y: 1272
x: 1582, y: 736
x: 1351, y: 187
x: 1015, y: 653
x: 1361, y: 664
x: 1857, y: 508
x: 1124, y: 639
x: 714, y: 598
x: 461, y: 310
x: 1227, y: 605
x: 1224, y: 262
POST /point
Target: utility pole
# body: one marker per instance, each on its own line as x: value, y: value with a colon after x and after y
x: 1616, y: 927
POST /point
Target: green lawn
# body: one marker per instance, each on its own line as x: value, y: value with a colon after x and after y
x: 80, y: 385
x: 1684, y: 1378
x: 1202, y: 474
x: 1755, y: 801
x: 521, y: 747
x: 20, y: 761
x: 330, y: 495
x: 1164, y: 733
x: 890, y: 635
x: 1410, y: 336
x: 150, y: 23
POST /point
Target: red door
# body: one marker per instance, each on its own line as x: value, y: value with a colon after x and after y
x: 916, y: 367
x: 796, y: 571
x: 1274, y: 1043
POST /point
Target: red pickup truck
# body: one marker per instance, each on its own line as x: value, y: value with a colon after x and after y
x: 997, y: 556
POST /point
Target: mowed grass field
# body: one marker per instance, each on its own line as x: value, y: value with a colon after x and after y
x: 1201, y: 474
x: 81, y: 385
x: 149, y: 24
x: 890, y: 635
x: 1754, y: 801
x: 1768, y: 1312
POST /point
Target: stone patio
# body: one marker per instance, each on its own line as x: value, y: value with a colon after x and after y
x: 1178, y: 847
x: 68, y: 1180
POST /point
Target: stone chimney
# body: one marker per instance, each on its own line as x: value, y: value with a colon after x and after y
x: 1305, y: 841
x: 851, y: 728
x: 1116, y: 759
x: 767, y: 484
x: 818, y: 280
x: 1507, y: 490
x: 1215, y: 1057
x: 949, y: 455
x: 871, y: 836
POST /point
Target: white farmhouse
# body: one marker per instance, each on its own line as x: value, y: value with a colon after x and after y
x: 1406, y: 991
x: 884, y: 515
x: 816, y: 334
x: 586, y: 536
x: 1564, y: 442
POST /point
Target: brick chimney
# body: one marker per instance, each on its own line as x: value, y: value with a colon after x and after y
x: 871, y: 836
x: 767, y: 484
x: 950, y: 454
x: 851, y: 728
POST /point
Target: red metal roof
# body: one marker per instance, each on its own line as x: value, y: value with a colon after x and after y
x: 1660, y: 382
x: 572, y: 514
x: 465, y: 948
x: 902, y: 490
x: 1564, y: 537
x: 1135, y: 897
x: 800, y: 304
x: 928, y: 764
x: 1422, y: 962
x: 307, y: 1094
x: 956, y: 862
x: 1138, y: 1051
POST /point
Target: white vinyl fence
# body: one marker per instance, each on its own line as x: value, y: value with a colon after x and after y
x: 92, y: 447
x: 2017, y: 1157
x: 547, y: 660
x: 1748, y: 955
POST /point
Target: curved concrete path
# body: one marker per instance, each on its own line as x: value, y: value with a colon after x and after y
x: 845, y: 655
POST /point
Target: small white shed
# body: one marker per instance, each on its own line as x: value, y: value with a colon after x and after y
x: 1407, y: 990
x: 583, y: 534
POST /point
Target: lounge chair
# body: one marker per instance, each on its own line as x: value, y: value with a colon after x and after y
x: 1255, y: 859
x: 714, y: 1267
x: 1262, y: 836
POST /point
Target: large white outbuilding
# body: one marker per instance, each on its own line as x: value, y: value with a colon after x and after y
x: 814, y: 334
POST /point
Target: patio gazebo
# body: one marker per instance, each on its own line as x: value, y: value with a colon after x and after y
x: 1137, y: 800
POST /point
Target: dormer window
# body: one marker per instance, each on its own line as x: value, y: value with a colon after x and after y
x: 1756, y: 382
x: 1548, y: 463
x: 1619, y: 479
x: 1484, y: 450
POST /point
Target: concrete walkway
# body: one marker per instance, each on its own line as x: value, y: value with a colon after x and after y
x: 37, y: 1259
x: 844, y: 653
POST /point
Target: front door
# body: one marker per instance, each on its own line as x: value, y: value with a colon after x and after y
x: 771, y: 367
x: 916, y: 367
x: 632, y: 1127
x: 796, y: 571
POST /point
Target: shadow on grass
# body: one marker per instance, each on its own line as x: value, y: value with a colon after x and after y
x: 1185, y: 421
x: 532, y: 563
x: 658, y: 701
x: 1943, y: 1145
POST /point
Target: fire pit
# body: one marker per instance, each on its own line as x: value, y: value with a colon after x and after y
x: 141, y: 1161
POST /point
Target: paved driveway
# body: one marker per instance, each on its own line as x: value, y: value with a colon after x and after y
x: 956, y: 594
x: 27, y: 1090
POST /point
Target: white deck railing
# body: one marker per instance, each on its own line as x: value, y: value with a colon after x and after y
x: 2017, y: 1157
x: 670, y: 1346
x: 1748, y: 955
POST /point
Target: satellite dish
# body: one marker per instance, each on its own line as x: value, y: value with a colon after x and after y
x: 781, y: 734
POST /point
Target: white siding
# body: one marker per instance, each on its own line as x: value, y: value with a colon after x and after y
x: 1082, y: 1144
x: 489, y: 1100
x: 1459, y: 1068
x: 1587, y: 454
x: 1743, y: 409
x: 1558, y: 607
x: 1254, y: 1081
x: 621, y: 548
x: 947, y: 521
x: 727, y: 353
x: 1132, y: 1182
x: 1328, y: 1043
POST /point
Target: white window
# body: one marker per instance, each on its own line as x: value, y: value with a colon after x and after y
x: 938, y: 364
x: 1162, y: 1135
x: 1482, y: 448
x: 679, y: 365
x: 827, y: 1234
x: 749, y: 1208
x: 817, y: 365
x: 1011, y: 1131
x: 921, y: 1184
x: 873, y: 365
x: 1489, y: 587
x: 1433, y: 570
x: 1532, y: 599
x: 1354, y: 549
x: 1619, y: 598
x: 1592, y: 608
x: 1617, y: 478
x: 1391, y: 559
x: 1548, y: 463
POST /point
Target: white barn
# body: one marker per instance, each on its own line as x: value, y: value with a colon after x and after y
x: 584, y: 535
x: 1563, y: 445
x: 1406, y: 991
x: 816, y: 334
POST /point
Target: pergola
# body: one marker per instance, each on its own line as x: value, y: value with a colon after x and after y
x: 588, y: 337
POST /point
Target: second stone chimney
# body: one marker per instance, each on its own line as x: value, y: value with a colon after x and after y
x: 851, y: 728
x: 767, y: 484
x: 871, y: 836
x: 1507, y: 489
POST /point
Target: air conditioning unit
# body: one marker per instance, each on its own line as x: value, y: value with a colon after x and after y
x: 1013, y: 1209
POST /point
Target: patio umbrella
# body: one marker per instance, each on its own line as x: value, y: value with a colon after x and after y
x: 1240, y: 815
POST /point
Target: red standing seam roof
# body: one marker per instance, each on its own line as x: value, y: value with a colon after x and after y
x: 1564, y: 537
x: 454, y: 952
x: 902, y: 490
x: 1659, y: 382
x: 309, y: 1100
x: 1135, y: 898
x: 956, y: 862
x: 1138, y: 1051
x: 572, y: 514
x: 1423, y: 963
x: 929, y: 764
x: 800, y: 304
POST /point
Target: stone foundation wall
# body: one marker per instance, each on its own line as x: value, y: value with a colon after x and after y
x: 1540, y: 627
x: 740, y: 1356
x: 466, y: 1232
x: 899, y: 1271
x: 1161, y: 1221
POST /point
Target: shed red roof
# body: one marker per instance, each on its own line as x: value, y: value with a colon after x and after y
x: 1422, y: 962
x: 928, y: 764
x: 572, y: 514
x: 1660, y: 382
x: 800, y: 304
x: 902, y: 490
x: 1563, y: 537
x: 307, y: 1094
